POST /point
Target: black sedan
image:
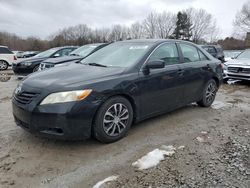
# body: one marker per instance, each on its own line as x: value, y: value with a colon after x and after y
x: 118, y: 85
x: 30, y: 65
x: 74, y: 56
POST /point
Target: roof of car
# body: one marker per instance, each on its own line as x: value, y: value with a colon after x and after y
x: 3, y: 46
x: 212, y: 45
x: 154, y: 41
x: 61, y: 47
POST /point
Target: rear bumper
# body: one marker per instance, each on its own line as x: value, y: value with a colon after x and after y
x: 59, y: 121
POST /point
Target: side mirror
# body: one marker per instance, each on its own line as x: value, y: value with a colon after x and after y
x: 154, y: 64
x: 56, y: 55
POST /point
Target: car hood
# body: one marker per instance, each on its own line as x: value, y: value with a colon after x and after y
x: 32, y: 59
x: 238, y: 62
x: 70, y: 76
x: 62, y: 59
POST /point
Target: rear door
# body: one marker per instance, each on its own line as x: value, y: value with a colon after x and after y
x: 161, y: 90
x: 195, y: 66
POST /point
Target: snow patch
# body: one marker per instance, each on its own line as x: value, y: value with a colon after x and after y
x: 181, y: 147
x: 154, y: 157
x: 203, y: 137
x: 220, y: 105
x: 108, y: 179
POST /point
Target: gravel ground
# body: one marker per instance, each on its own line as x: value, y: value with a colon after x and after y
x: 216, y: 152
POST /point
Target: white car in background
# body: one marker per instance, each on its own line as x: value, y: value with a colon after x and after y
x: 7, y: 57
x: 238, y: 68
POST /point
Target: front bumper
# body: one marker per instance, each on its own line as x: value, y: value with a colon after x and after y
x: 21, y: 70
x: 69, y: 121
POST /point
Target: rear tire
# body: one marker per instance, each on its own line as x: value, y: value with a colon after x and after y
x: 113, y: 120
x: 209, y: 93
x: 3, y: 65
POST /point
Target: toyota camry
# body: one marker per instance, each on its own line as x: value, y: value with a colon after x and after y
x: 121, y: 84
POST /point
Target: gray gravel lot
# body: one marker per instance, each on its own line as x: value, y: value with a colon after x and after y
x: 221, y: 160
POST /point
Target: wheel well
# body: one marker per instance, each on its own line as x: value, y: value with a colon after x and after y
x: 217, y: 81
x: 4, y: 61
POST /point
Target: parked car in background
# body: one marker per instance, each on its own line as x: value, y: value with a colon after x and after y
x: 29, y: 54
x: 216, y: 51
x: 231, y: 54
x: 7, y: 57
x: 122, y: 83
x: 29, y: 65
x: 19, y: 54
x: 74, y: 56
x: 238, y: 68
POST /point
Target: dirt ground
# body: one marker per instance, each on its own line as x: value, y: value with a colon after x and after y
x: 219, y: 157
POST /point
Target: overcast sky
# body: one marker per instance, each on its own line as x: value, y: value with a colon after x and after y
x: 41, y: 18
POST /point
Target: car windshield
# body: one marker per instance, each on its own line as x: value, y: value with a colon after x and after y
x: 118, y: 54
x: 244, y: 55
x: 84, y: 50
x: 46, y: 53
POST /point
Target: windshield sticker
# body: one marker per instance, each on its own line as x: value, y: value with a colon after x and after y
x: 138, y: 47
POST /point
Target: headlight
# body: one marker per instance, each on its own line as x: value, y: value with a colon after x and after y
x: 67, y: 96
x: 26, y: 63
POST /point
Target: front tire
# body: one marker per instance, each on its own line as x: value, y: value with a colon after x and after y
x: 113, y: 120
x: 209, y: 93
x: 4, y: 65
x: 36, y: 68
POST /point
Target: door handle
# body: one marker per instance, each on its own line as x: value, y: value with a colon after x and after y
x: 180, y: 72
x: 208, y: 67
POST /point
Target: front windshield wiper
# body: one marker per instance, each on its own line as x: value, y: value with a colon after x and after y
x: 96, y: 64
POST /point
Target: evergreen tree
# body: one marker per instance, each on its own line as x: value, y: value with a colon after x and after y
x: 183, y: 27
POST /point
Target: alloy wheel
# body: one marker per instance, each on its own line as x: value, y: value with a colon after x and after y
x: 211, y: 92
x: 3, y: 65
x: 115, y: 119
x: 36, y: 69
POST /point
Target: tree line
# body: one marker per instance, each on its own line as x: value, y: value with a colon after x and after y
x: 195, y: 25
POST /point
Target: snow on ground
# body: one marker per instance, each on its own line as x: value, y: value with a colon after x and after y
x: 154, y: 157
x: 203, y: 137
x: 108, y: 179
x: 220, y: 105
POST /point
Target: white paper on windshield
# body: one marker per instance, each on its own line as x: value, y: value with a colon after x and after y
x: 138, y: 47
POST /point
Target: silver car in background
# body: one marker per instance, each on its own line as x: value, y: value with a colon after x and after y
x: 238, y: 68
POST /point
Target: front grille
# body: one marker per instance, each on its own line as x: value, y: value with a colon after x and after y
x: 25, y: 97
x: 239, y: 70
x: 246, y: 70
x: 233, y: 69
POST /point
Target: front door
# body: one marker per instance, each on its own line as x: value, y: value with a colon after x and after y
x: 160, y: 90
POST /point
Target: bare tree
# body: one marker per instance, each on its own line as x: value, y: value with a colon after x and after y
x: 165, y: 24
x: 136, y: 31
x: 242, y: 18
x: 150, y: 25
x: 203, y: 24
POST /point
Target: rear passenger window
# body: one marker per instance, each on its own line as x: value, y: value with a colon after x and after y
x: 166, y: 52
x: 190, y: 53
x: 5, y: 51
x: 202, y: 56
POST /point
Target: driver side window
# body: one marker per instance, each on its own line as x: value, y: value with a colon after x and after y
x: 166, y: 52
